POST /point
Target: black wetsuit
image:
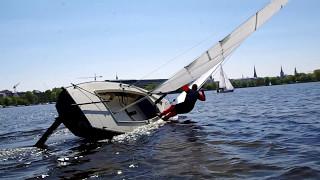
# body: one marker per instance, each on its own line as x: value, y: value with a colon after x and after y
x: 188, y: 104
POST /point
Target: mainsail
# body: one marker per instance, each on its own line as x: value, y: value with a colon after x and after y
x: 215, y: 55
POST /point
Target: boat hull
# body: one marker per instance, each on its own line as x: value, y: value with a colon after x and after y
x: 224, y: 91
x: 75, y: 120
x: 97, y: 110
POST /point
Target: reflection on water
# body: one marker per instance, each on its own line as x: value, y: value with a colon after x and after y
x: 254, y: 133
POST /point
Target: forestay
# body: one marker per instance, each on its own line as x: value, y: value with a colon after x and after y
x: 215, y: 55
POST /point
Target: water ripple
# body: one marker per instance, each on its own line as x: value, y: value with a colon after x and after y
x: 255, y: 133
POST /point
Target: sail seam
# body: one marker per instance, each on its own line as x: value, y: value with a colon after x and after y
x: 209, y: 55
x: 189, y: 72
x: 232, y: 48
x: 222, y: 51
x: 256, y: 25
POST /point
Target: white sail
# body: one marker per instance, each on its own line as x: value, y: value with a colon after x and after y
x: 228, y: 84
x: 221, y: 50
x: 222, y: 79
x: 224, y: 82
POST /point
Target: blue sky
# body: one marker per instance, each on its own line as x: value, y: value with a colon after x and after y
x: 51, y: 43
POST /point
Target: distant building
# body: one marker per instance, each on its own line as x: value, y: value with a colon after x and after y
x: 254, y: 72
x: 281, y: 73
x: 6, y: 93
x: 36, y: 92
x: 295, y: 71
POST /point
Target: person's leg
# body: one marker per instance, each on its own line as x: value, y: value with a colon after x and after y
x: 168, y: 110
x: 169, y: 115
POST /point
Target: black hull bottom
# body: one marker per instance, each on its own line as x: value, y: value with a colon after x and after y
x: 74, y: 119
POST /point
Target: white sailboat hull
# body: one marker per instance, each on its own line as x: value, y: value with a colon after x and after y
x: 224, y: 90
x: 97, y: 110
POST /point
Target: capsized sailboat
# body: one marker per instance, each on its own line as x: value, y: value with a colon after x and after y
x: 224, y: 83
x: 100, y: 110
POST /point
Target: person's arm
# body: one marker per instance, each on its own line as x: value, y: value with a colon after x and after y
x: 185, y: 88
x: 202, y: 96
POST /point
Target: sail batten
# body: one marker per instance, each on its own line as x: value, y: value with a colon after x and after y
x: 216, y: 54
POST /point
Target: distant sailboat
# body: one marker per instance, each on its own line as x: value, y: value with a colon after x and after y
x: 224, y: 83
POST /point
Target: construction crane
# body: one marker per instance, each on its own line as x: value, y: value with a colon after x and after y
x: 15, y: 88
x: 94, y: 77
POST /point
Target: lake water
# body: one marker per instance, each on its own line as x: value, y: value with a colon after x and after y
x: 254, y: 133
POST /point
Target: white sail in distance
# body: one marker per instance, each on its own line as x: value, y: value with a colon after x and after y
x: 221, y: 50
x: 224, y: 81
x: 228, y: 83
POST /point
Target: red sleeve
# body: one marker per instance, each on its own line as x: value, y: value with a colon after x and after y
x: 185, y: 88
x: 202, y: 96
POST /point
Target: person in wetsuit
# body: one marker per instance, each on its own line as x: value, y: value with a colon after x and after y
x: 184, y: 107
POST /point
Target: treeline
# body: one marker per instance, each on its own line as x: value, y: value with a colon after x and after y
x: 266, y: 81
x: 31, y: 97
x: 49, y: 96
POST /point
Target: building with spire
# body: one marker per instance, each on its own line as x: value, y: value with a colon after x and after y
x: 281, y: 73
x: 254, y: 72
x: 295, y: 71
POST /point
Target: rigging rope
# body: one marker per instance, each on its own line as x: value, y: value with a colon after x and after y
x: 172, y: 59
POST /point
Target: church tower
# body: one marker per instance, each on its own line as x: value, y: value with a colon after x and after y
x: 281, y: 73
x: 295, y: 71
x: 254, y: 72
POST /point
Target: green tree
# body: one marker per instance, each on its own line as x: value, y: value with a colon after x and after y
x: 55, y: 94
x: 289, y: 79
x: 7, y: 101
x: 150, y: 87
x: 21, y: 101
x: 251, y: 83
x: 210, y: 86
x: 244, y: 83
x: 30, y: 97
x: 275, y: 80
x: 260, y: 82
x: 317, y: 74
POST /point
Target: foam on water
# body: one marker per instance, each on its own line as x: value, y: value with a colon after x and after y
x: 19, y: 154
x: 138, y: 132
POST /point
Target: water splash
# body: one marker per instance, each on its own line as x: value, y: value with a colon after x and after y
x: 138, y: 132
x: 19, y: 154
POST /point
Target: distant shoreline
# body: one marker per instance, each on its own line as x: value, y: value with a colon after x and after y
x: 50, y: 96
x: 13, y: 106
